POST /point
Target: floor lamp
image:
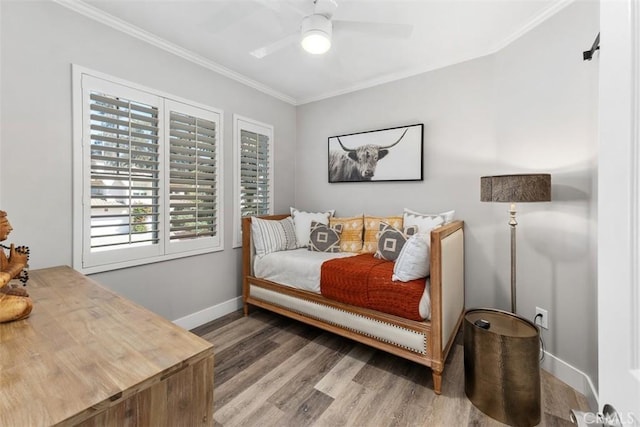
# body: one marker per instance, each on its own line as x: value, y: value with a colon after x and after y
x: 515, y: 189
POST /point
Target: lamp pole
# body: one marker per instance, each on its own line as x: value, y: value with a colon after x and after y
x: 512, y: 225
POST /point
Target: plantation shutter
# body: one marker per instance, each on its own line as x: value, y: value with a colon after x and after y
x: 192, y: 177
x: 255, y: 179
x: 124, y: 172
x: 147, y: 175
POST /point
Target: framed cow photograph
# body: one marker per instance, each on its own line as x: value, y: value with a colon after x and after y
x: 393, y: 154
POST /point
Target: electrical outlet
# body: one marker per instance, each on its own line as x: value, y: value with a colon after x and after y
x: 542, y: 318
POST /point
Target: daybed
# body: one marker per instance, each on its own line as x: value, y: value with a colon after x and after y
x: 426, y: 342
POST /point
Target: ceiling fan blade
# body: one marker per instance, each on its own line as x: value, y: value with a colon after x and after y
x: 280, y: 7
x: 383, y: 29
x: 263, y: 51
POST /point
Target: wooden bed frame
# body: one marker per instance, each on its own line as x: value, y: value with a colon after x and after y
x: 438, y: 333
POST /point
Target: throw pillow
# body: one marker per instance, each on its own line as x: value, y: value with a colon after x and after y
x: 426, y: 222
x: 414, y: 259
x: 272, y: 236
x: 351, y: 237
x: 302, y: 221
x: 372, y: 228
x: 391, y: 240
x: 323, y: 238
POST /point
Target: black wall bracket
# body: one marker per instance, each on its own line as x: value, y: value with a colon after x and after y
x: 587, y: 55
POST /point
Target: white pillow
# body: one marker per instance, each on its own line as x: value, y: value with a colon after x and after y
x: 302, y: 221
x: 448, y: 216
x: 426, y: 222
x: 413, y: 261
x: 272, y: 236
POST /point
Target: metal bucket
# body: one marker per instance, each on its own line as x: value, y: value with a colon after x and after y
x: 501, y: 366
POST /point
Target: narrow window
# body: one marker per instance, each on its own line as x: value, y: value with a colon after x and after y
x: 253, y: 144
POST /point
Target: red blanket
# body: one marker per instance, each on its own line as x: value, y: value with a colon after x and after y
x: 365, y: 281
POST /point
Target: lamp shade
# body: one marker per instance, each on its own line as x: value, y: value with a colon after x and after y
x: 516, y: 188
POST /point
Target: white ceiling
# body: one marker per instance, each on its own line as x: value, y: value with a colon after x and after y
x: 219, y: 34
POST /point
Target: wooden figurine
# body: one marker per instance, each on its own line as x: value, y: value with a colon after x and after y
x: 15, y: 303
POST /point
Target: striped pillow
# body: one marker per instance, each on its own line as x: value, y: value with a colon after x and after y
x: 272, y: 236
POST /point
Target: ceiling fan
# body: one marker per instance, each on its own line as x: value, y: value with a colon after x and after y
x: 316, y: 30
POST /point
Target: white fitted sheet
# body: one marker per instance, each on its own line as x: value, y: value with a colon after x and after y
x: 300, y: 269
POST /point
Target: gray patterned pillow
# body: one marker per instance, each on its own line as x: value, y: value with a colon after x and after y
x: 324, y: 239
x: 391, y: 240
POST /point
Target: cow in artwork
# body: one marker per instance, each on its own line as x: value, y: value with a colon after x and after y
x: 357, y: 164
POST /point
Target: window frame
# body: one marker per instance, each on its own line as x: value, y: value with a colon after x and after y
x: 241, y: 123
x: 202, y: 243
x: 83, y: 260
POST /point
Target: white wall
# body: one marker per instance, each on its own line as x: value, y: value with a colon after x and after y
x: 456, y: 106
x: 40, y: 40
x: 546, y: 117
x: 530, y: 107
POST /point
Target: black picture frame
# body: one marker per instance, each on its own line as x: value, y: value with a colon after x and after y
x: 392, y: 154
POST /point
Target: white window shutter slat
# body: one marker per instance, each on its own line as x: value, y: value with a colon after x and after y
x: 254, y: 171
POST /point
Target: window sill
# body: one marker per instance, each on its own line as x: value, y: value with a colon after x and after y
x: 138, y: 262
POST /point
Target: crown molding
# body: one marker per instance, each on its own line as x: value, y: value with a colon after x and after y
x: 92, y: 12
x: 392, y: 77
x: 134, y: 31
x: 534, y: 22
x: 537, y: 20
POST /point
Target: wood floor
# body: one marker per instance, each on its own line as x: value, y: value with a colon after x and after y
x: 272, y: 371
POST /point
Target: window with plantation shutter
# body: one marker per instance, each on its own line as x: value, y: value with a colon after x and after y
x: 253, y: 144
x: 147, y: 179
x: 193, y: 173
x: 124, y: 172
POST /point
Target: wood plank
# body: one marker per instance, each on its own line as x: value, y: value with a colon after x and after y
x: 314, y: 403
x: 296, y: 391
x: 374, y: 410
x: 86, y: 352
x: 225, y: 392
x: 344, y: 411
x: 342, y: 389
x: 246, y: 352
x: 230, y: 334
x: 216, y: 325
x: 267, y: 415
x: 338, y: 379
x: 257, y: 394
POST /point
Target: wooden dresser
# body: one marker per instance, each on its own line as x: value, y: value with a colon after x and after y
x: 89, y: 357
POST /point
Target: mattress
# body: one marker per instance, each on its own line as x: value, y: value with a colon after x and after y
x: 297, y: 268
x: 301, y: 268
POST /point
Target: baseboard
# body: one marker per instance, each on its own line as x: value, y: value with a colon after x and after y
x: 572, y: 376
x: 208, y: 314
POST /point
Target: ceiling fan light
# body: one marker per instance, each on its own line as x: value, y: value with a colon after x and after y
x: 316, y: 42
x: 316, y: 34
